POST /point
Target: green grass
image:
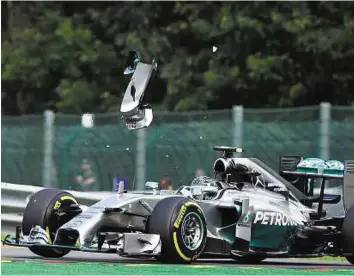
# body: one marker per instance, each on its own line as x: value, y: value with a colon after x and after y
x: 37, y: 268
x: 327, y: 258
x: 3, y: 236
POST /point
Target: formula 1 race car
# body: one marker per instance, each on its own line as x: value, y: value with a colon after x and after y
x: 246, y: 211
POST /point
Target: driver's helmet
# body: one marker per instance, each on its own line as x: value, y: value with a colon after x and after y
x: 240, y: 173
x: 204, y: 181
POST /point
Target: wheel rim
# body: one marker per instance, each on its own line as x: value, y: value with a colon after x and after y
x: 192, y: 231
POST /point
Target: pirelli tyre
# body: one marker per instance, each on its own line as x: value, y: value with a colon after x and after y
x: 181, y: 224
x: 348, y: 234
x: 41, y: 211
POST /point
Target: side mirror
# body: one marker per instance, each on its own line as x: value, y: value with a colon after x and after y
x: 184, y: 190
x: 152, y: 185
x: 130, y: 63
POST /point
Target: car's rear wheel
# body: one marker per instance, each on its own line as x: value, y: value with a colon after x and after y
x: 41, y: 211
x: 181, y: 224
x: 348, y: 234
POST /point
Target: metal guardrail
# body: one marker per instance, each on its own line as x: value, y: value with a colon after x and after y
x: 14, y: 199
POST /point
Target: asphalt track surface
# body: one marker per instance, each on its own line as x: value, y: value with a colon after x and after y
x: 23, y: 254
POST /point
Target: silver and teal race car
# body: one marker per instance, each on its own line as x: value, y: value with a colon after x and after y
x: 246, y: 211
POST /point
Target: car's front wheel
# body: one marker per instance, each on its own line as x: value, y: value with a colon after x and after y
x: 181, y: 224
x: 41, y: 211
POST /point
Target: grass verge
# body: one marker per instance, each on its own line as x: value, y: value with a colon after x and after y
x: 3, y: 236
x: 327, y: 258
x: 36, y: 268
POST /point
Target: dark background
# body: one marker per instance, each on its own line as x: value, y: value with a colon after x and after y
x: 69, y: 56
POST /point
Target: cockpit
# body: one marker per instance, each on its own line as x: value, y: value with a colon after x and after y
x: 202, y: 188
x: 207, y: 188
x: 234, y: 174
x: 238, y: 174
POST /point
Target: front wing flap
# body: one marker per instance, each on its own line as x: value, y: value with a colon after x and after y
x: 129, y: 244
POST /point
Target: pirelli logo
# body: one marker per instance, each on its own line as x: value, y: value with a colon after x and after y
x: 180, y: 216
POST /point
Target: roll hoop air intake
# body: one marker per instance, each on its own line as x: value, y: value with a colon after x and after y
x: 225, y: 164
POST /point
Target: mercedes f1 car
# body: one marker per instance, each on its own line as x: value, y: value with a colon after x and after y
x: 246, y: 211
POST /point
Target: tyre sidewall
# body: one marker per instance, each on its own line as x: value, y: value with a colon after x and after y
x: 61, y: 200
x: 39, y: 211
x: 184, y: 208
x: 41, y: 206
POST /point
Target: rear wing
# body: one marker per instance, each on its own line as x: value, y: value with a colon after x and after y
x: 312, y: 168
x: 348, y: 184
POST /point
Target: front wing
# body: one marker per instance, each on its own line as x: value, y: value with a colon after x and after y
x: 127, y: 244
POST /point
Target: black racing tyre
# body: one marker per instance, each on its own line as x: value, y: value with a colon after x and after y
x: 181, y: 224
x: 348, y: 234
x: 40, y: 211
x: 250, y: 259
x: 350, y: 259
